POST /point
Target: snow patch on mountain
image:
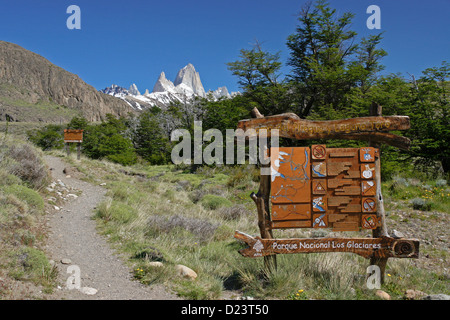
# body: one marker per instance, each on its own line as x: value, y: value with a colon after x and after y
x: 186, y: 86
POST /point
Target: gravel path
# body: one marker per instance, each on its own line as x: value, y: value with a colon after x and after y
x: 73, y: 236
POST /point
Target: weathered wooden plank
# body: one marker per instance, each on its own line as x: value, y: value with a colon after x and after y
x: 365, y: 247
x: 289, y: 224
x: 339, y: 201
x: 343, y: 217
x: 342, y: 154
x: 298, y: 211
x: 350, y: 208
x: 314, y: 129
x: 337, y: 183
x: 352, y: 174
x: 345, y: 226
x: 336, y: 168
x: 291, y: 126
x: 348, y: 191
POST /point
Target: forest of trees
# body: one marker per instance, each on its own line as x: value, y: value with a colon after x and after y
x: 333, y: 75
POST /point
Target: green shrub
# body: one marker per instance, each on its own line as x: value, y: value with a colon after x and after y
x: 49, y: 137
x: 234, y: 212
x: 7, y: 178
x: 108, y: 140
x: 122, y: 213
x: 104, y: 210
x: 27, y: 164
x: 213, y: 202
x: 29, y: 196
x: 35, y: 266
x: 200, y: 228
x: 420, y: 204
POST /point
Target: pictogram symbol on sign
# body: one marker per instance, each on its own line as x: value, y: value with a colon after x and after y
x: 367, y: 171
x: 319, y: 204
x: 369, y: 221
x: 369, y: 205
x: 368, y: 188
x: 319, y: 152
x: 319, y: 221
x: 319, y: 187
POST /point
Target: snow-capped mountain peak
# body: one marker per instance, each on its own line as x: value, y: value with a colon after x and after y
x: 190, y: 78
x: 163, y: 85
x: 186, y: 85
x: 134, y: 90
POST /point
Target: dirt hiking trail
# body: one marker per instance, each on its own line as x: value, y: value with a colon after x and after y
x: 73, y: 241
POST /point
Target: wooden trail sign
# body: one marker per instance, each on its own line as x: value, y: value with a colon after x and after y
x: 384, y: 247
x: 365, y: 128
x: 319, y: 187
x: 73, y: 136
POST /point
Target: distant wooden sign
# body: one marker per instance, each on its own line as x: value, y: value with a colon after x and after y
x: 375, y: 129
x: 383, y: 247
x: 322, y: 187
x: 71, y: 135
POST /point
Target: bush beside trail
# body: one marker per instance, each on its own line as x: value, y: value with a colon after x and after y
x: 25, y: 271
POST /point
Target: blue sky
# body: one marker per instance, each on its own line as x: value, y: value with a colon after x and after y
x: 125, y: 42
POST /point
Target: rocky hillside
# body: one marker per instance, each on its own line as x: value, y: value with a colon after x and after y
x: 33, y: 89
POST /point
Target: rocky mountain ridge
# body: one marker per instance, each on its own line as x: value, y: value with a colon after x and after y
x: 34, y: 89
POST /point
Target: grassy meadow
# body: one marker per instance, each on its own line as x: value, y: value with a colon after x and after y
x: 25, y: 271
x: 174, y: 216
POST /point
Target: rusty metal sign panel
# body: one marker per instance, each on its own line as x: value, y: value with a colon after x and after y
x: 321, y: 187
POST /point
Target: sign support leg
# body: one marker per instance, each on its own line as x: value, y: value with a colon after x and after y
x: 78, y: 150
x: 381, y: 231
x: 261, y: 200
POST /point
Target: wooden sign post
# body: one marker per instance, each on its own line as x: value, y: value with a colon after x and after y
x: 73, y: 136
x: 320, y: 187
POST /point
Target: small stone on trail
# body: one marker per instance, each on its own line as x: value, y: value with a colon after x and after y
x: 383, y: 295
x: 88, y: 291
x: 66, y: 261
x: 397, y: 234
